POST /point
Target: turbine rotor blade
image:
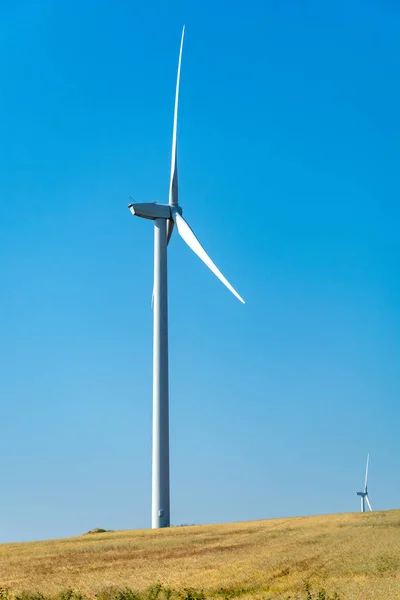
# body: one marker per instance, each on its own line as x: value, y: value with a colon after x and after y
x: 189, y: 237
x: 170, y: 227
x: 366, y: 475
x: 173, y: 185
x: 369, y: 503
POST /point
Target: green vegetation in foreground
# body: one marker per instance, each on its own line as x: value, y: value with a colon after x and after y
x: 158, y: 592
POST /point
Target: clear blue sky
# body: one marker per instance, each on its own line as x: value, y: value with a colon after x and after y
x: 289, y: 142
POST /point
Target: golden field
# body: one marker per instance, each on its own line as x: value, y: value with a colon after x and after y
x: 356, y: 555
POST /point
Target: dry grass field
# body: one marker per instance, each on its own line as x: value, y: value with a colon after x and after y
x: 355, y: 555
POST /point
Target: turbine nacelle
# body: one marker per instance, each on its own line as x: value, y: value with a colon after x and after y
x: 152, y: 210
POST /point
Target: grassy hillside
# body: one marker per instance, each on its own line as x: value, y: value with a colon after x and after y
x: 355, y: 555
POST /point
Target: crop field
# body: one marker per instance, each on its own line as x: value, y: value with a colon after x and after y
x: 351, y: 556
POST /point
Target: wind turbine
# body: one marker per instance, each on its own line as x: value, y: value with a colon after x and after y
x: 165, y: 216
x: 364, y: 494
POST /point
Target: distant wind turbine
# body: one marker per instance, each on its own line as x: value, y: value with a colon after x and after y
x: 165, y: 216
x: 364, y: 494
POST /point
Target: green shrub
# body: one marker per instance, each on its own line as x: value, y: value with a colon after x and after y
x: 190, y: 594
x: 126, y: 594
x: 321, y: 594
x: 30, y: 596
x: 98, y: 530
x: 70, y: 595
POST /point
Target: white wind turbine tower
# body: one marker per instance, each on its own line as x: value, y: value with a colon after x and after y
x: 164, y: 217
x: 364, y: 494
